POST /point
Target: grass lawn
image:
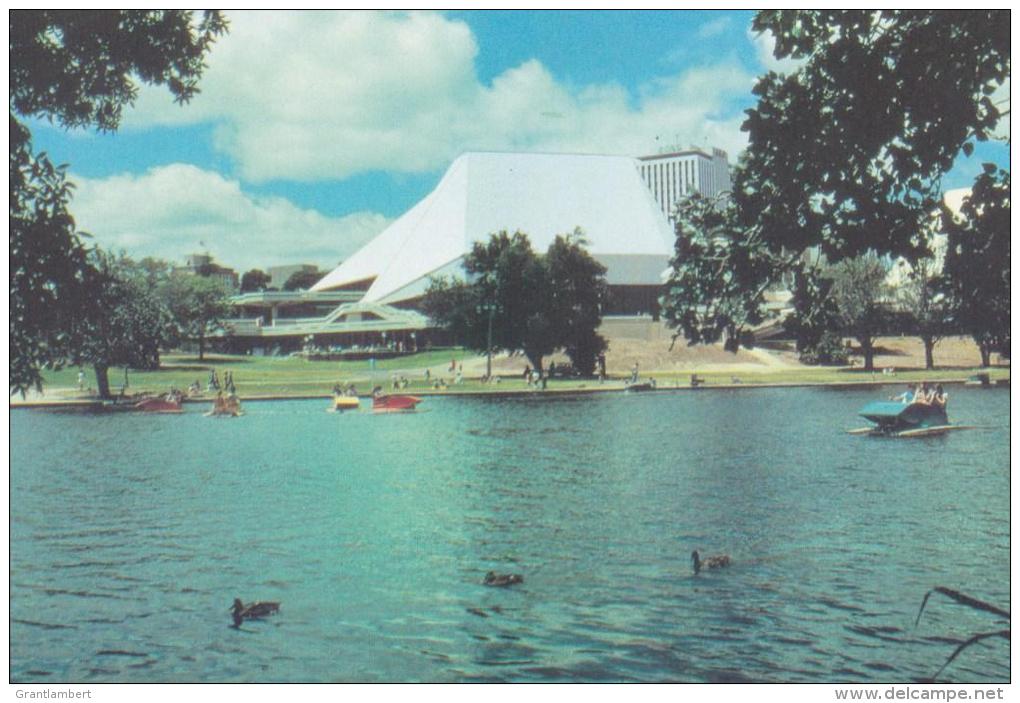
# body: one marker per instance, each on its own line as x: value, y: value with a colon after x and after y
x: 293, y: 376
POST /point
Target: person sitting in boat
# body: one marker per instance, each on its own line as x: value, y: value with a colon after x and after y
x: 907, y: 396
x: 377, y: 392
x: 337, y: 389
x: 941, y: 398
x: 195, y: 388
x: 921, y: 396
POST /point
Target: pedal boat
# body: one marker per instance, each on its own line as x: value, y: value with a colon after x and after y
x: 159, y: 404
x: 345, y: 402
x: 394, y: 403
x: 897, y: 419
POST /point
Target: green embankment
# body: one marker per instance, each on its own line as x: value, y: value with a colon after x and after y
x: 294, y: 376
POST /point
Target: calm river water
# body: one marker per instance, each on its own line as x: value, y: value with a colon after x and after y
x: 132, y: 534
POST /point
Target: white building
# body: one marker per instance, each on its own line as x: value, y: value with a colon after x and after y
x: 542, y: 195
x: 676, y: 173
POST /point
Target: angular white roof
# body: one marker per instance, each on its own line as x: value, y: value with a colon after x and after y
x: 542, y: 195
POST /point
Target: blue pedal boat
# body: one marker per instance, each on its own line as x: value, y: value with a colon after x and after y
x: 897, y: 419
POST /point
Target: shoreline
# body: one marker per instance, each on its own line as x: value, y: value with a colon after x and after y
x: 610, y: 387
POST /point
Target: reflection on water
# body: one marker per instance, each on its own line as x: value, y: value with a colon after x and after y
x: 132, y: 534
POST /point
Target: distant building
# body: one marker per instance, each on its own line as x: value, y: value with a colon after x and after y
x: 372, y: 297
x: 279, y: 275
x: 203, y: 265
x: 676, y: 174
x: 542, y: 195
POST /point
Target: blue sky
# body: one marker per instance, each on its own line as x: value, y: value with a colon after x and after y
x: 314, y: 130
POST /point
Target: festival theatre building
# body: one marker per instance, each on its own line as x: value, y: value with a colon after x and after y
x: 374, y: 296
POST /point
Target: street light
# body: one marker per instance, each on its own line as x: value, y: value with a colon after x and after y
x: 489, y: 308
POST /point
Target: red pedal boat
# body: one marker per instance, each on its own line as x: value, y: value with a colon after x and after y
x: 394, y: 403
x: 159, y: 405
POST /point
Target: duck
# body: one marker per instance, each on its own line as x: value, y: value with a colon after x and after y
x: 714, y: 562
x: 252, y: 611
x: 494, y: 579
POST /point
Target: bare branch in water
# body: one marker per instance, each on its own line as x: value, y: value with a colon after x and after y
x: 973, y: 640
x: 963, y: 599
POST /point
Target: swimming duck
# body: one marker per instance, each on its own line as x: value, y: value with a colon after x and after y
x: 494, y: 579
x: 714, y: 562
x: 252, y: 611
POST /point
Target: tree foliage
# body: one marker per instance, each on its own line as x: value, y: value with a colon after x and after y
x: 198, y: 306
x: 254, y: 281
x: 537, y: 304
x: 924, y: 298
x: 720, y: 273
x: 81, y: 68
x: 302, y: 280
x: 860, y: 294
x: 977, y: 266
x: 50, y: 281
x: 508, y: 283
x: 845, y: 155
x: 577, y: 290
x: 814, y: 321
x: 125, y: 323
x: 76, y: 68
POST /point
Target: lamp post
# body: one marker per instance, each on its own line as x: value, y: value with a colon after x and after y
x: 489, y: 308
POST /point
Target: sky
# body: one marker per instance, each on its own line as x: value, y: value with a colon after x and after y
x: 315, y: 130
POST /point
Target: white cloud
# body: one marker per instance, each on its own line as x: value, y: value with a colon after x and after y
x: 324, y: 95
x: 765, y: 47
x: 172, y: 211
x: 715, y: 27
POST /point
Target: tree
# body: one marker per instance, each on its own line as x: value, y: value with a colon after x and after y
x: 577, y: 291
x: 859, y: 292
x: 125, y: 324
x: 537, y: 304
x: 924, y: 298
x: 197, y: 305
x: 508, y: 283
x: 814, y: 320
x: 153, y: 271
x: 302, y: 280
x: 846, y: 153
x: 79, y: 69
x: 254, y: 280
x: 977, y: 262
x: 50, y: 281
x: 720, y: 273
